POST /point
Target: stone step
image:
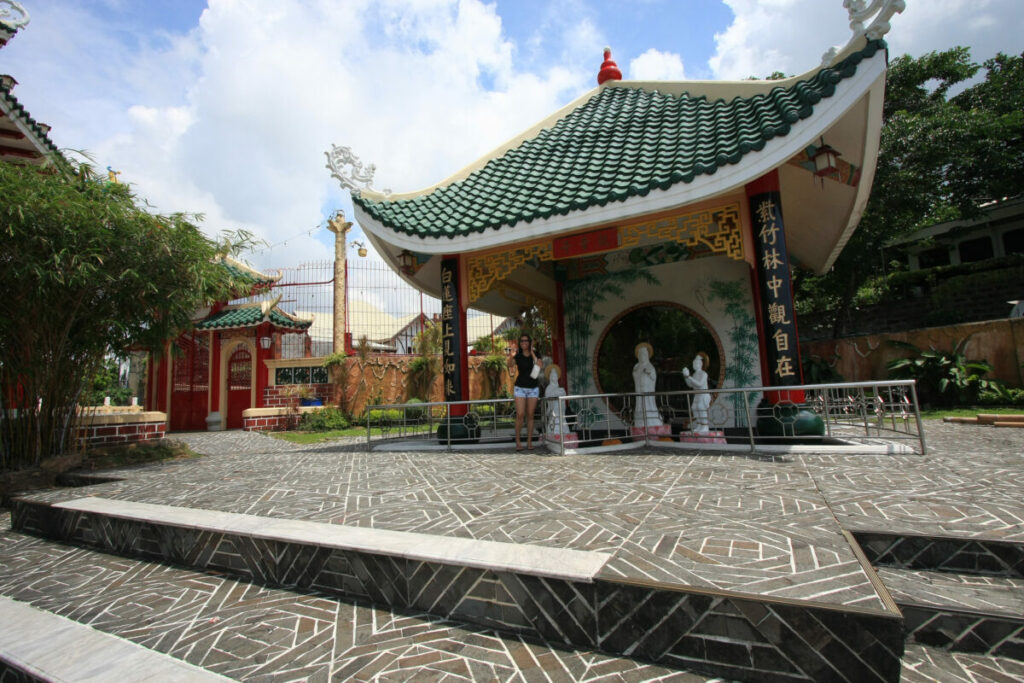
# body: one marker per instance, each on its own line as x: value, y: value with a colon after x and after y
x: 980, y: 556
x: 922, y: 664
x: 212, y: 626
x: 49, y: 647
x: 960, y: 612
x: 548, y: 593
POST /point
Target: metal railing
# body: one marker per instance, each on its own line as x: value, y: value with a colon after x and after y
x: 854, y: 416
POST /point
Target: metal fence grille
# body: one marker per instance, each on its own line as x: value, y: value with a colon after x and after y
x: 381, y: 307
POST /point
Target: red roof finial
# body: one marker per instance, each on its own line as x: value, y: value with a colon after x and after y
x: 609, y: 69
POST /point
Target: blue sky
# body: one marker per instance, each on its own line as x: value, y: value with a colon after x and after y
x: 226, y: 108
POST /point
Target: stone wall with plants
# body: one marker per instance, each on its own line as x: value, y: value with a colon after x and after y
x: 998, y: 343
x: 371, y: 379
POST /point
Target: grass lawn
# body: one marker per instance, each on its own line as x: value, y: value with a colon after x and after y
x: 969, y: 412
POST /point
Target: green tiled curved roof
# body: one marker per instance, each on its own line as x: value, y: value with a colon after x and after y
x: 624, y: 142
x: 250, y: 316
x: 17, y: 109
x: 247, y: 277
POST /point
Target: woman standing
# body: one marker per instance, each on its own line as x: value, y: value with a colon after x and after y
x: 527, y: 389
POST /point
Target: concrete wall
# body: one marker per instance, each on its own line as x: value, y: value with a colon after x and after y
x: 863, y: 358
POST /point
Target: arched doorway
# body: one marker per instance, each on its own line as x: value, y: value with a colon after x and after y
x: 676, y: 334
x: 239, y: 386
x: 190, y: 387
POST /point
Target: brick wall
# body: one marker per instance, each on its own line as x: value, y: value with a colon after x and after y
x: 109, y: 430
x: 269, y: 423
x: 277, y: 396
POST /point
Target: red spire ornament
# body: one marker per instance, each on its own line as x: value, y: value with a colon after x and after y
x: 609, y: 69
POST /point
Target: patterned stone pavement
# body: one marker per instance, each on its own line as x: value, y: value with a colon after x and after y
x: 755, y: 526
x: 768, y: 526
x: 765, y: 526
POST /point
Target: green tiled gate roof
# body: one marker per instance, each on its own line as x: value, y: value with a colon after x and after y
x: 249, y: 316
x: 624, y: 142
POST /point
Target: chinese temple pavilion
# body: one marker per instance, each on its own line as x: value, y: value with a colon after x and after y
x: 211, y: 374
x: 643, y: 201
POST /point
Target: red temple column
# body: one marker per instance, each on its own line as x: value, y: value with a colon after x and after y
x: 262, y: 373
x: 215, y: 370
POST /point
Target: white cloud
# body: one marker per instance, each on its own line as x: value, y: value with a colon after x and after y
x: 232, y: 120
x: 791, y: 35
x: 655, y: 65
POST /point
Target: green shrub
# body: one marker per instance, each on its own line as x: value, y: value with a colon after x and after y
x: 389, y: 416
x: 944, y: 378
x: 324, y: 420
x: 1001, y: 395
x: 415, y: 413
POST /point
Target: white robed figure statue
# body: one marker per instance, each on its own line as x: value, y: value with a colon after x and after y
x: 701, y: 402
x: 554, y: 423
x: 644, y: 379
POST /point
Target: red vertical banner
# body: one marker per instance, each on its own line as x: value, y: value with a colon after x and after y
x: 780, y: 344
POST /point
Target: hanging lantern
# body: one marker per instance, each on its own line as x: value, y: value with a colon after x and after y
x: 826, y: 161
x: 407, y: 260
x: 265, y: 343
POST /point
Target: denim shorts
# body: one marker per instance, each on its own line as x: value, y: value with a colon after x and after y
x: 522, y: 392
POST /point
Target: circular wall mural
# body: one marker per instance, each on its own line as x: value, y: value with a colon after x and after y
x: 675, y: 333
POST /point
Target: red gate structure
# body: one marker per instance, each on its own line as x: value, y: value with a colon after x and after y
x: 239, y: 386
x: 190, y: 390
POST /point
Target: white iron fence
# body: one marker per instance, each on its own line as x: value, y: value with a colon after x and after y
x: 879, y: 417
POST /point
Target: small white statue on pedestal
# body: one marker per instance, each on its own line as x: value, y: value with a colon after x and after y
x: 555, y: 425
x: 644, y: 379
x: 699, y: 380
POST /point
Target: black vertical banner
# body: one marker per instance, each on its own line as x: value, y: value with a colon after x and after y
x: 781, y: 345
x: 451, y: 330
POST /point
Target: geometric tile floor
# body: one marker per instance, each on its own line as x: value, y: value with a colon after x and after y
x: 761, y: 526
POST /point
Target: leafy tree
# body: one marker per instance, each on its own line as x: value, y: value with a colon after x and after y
x: 488, y: 344
x: 88, y: 273
x: 941, y: 157
x: 106, y: 382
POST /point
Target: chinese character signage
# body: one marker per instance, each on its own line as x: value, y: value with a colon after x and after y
x: 593, y: 242
x: 451, y: 332
x: 780, y: 343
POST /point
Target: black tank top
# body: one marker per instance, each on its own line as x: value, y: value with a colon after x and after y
x: 524, y: 366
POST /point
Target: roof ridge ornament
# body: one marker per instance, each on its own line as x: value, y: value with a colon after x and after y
x: 13, y: 15
x: 349, y: 170
x: 861, y: 11
x: 609, y: 69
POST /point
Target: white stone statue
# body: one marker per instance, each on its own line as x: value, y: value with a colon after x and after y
x: 644, y: 379
x: 698, y: 380
x: 553, y: 390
